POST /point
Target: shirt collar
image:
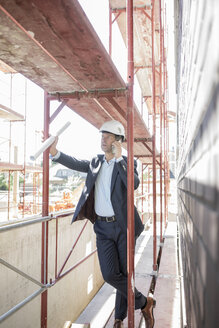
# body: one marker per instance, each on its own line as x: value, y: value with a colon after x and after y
x: 110, y: 162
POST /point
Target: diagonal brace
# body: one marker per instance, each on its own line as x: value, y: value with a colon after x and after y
x: 23, y: 274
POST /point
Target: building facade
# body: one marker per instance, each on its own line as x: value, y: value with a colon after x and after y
x: 197, y: 50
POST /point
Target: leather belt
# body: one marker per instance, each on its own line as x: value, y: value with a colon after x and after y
x: 106, y: 218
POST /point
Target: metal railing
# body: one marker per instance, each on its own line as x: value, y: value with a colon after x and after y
x: 58, y: 276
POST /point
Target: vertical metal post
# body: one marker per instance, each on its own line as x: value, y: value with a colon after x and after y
x: 149, y: 205
x: 9, y: 194
x: 142, y: 192
x: 165, y: 145
x: 34, y: 193
x: 38, y: 194
x: 45, y: 212
x: 164, y: 127
x: 110, y: 30
x: 154, y: 142
x: 25, y: 146
x: 148, y: 119
x: 161, y: 119
x: 11, y: 89
x: 56, y: 252
x: 167, y: 128
x: 130, y: 174
x: 142, y: 170
x: 15, y: 181
x: 167, y: 135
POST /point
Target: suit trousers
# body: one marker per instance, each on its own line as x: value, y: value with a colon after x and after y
x: 112, y: 254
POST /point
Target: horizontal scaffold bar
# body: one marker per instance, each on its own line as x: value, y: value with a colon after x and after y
x: 140, y: 140
x: 142, y: 156
x: 95, y: 93
x: 23, y: 223
x: 145, y: 66
x: 135, y: 8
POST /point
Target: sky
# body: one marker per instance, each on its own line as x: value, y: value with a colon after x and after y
x: 81, y: 139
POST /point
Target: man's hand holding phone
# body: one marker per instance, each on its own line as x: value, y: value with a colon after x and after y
x: 117, y: 149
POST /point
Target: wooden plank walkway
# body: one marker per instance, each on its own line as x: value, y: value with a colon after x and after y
x: 167, y: 291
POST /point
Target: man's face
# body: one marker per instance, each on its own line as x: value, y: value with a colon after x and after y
x: 106, y: 141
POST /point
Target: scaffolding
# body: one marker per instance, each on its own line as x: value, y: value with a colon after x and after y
x: 115, y: 100
x: 10, y: 163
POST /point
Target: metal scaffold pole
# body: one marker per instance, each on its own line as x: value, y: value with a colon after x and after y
x: 161, y: 125
x: 110, y: 30
x: 165, y: 144
x: 164, y: 123
x: 45, y: 211
x: 154, y: 143
x: 130, y: 177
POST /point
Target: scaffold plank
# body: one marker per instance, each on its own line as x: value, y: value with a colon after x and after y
x: 167, y: 290
x: 6, y: 166
x: 8, y: 114
x: 65, y: 55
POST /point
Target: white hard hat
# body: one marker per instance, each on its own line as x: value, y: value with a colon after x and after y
x: 114, y: 127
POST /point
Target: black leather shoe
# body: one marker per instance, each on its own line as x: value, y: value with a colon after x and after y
x: 148, y: 312
x: 118, y: 324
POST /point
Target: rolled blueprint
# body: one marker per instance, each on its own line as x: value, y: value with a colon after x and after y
x: 49, y: 142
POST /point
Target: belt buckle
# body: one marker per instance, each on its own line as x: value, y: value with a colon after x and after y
x: 110, y: 219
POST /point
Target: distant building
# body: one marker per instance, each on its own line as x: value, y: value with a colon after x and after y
x: 59, y: 171
x: 64, y: 177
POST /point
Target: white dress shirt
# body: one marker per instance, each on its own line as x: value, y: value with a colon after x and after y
x: 102, y: 195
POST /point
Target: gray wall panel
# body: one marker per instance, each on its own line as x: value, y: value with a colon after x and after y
x: 198, y: 158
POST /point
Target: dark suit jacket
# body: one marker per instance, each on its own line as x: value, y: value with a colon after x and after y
x: 85, y: 206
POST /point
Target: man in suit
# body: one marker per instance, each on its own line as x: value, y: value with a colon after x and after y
x: 104, y: 202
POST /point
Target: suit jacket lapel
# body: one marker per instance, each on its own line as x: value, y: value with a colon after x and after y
x: 96, y: 169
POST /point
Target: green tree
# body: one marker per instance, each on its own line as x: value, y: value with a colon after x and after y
x: 3, y: 182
